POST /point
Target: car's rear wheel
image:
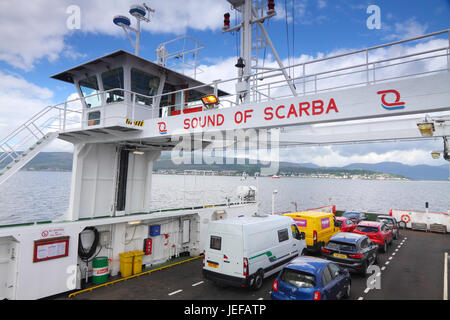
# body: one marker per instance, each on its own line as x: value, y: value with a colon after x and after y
x: 258, y: 282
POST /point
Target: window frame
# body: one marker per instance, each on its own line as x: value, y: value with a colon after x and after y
x: 213, y: 245
x: 283, y: 235
x: 324, y: 271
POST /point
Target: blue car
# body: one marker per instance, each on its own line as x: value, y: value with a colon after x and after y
x: 310, y: 278
x: 356, y: 217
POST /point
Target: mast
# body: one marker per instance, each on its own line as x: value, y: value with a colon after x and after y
x: 250, y: 17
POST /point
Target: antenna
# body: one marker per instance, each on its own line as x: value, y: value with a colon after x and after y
x: 250, y: 17
x: 139, y: 12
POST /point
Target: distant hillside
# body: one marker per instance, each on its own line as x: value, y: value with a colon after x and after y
x: 52, y: 161
x: 284, y: 168
x: 63, y: 161
x: 418, y: 172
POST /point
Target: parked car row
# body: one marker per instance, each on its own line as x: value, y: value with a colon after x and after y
x: 244, y: 251
x: 355, y: 248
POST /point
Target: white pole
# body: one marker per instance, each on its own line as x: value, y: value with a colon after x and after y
x: 445, y: 297
x: 274, y: 192
x: 138, y: 36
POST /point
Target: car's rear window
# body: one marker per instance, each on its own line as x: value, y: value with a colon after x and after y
x: 351, y: 215
x: 342, y: 246
x: 298, y: 279
x: 367, y: 229
x: 387, y: 221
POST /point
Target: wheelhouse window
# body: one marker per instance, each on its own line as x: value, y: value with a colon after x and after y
x: 167, y: 100
x: 113, y: 79
x: 94, y: 118
x: 144, y: 84
x: 90, y: 90
x: 173, y: 102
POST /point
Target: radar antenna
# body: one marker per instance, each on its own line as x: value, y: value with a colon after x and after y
x: 139, y: 12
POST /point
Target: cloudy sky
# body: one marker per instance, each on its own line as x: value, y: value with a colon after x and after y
x: 35, y: 43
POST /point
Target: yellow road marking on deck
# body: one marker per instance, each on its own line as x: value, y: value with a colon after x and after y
x: 130, y: 277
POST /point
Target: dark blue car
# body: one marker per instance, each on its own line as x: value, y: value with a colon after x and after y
x: 356, y: 217
x: 310, y: 278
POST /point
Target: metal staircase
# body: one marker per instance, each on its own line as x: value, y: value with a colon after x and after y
x: 24, y: 143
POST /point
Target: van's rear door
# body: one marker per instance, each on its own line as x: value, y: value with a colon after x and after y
x: 224, y: 254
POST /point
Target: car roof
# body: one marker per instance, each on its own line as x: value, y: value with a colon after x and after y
x: 386, y: 217
x: 308, y: 264
x: 313, y: 214
x: 347, y: 237
x: 352, y: 212
x: 249, y: 220
x: 370, y: 223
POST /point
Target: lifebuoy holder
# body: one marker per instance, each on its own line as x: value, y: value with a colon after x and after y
x: 405, y: 218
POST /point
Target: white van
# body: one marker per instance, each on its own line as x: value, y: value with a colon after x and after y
x: 243, y: 251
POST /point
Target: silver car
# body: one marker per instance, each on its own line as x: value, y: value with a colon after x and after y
x: 391, y: 223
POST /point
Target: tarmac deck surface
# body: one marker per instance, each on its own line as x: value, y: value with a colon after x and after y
x: 411, y: 269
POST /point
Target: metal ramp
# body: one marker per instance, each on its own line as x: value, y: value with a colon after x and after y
x: 24, y: 143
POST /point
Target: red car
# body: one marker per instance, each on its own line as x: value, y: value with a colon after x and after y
x: 345, y: 224
x: 378, y: 232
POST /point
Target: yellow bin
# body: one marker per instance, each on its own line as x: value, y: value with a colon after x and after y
x: 137, y: 261
x: 126, y: 264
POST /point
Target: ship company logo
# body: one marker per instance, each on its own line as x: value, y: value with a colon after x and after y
x: 162, y: 127
x: 392, y: 105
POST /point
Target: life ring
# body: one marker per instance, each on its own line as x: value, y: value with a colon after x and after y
x: 405, y: 218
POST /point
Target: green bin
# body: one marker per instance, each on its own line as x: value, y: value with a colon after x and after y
x: 100, y: 270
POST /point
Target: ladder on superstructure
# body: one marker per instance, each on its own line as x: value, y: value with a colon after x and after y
x: 24, y: 143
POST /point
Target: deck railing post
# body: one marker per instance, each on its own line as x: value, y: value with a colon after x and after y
x: 133, y: 105
x: 65, y: 116
x: 448, y: 52
x: 304, y: 80
x: 181, y: 102
x: 367, y: 66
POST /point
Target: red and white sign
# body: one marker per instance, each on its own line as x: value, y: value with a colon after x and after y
x: 52, y: 233
x: 47, y: 249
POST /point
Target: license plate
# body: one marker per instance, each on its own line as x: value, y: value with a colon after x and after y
x: 338, y: 255
x: 213, y: 265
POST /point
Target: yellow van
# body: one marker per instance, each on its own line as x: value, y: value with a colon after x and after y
x: 318, y: 227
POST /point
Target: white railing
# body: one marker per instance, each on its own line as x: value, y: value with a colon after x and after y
x: 395, y: 60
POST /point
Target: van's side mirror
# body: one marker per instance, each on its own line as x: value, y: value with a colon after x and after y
x: 299, y: 235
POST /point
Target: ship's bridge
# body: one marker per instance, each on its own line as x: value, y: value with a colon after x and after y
x: 120, y: 91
